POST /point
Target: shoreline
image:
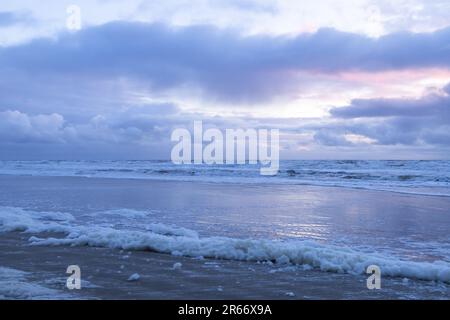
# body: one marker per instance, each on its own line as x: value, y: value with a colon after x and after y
x: 247, y: 183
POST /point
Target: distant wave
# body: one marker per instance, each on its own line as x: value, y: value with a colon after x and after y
x: 184, y: 242
x: 415, y: 177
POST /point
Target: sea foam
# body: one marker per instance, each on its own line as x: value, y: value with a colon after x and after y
x: 179, y: 241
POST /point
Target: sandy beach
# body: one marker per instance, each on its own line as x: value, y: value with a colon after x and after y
x: 246, y: 211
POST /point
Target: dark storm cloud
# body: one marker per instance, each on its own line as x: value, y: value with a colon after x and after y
x: 429, y: 106
x: 223, y: 64
x: 397, y: 121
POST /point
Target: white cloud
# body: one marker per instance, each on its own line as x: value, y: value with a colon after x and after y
x: 370, y: 17
x: 20, y: 127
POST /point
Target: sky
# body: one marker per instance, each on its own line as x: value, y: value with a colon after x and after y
x: 351, y: 79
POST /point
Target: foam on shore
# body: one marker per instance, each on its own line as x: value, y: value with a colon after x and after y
x: 179, y: 241
x: 15, y: 285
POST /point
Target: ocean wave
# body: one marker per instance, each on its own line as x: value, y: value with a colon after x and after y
x: 414, y: 177
x: 184, y: 242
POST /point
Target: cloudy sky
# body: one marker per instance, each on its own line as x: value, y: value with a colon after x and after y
x: 352, y: 79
